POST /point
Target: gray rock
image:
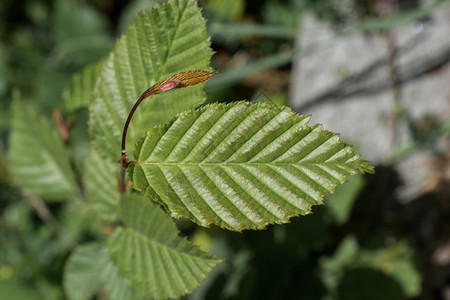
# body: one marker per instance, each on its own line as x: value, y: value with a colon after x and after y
x: 344, y: 81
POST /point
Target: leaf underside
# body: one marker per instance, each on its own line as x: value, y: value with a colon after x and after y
x: 166, y: 40
x: 150, y: 255
x: 241, y: 165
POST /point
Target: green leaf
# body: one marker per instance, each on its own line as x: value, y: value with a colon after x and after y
x: 81, y: 274
x: 81, y: 33
x: 79, y: 93
x: 396, y: 261
x: 225, y: 10
x: 90, y: 269
x: 116, y: 287
x: 359, y: 284
x: 163, y: 41
x: 340, y: 204
x: 241, y: 165
x: 4, y: 169
x: 101, y: 185
x: 150, y: 255
x: 16, y: 289
x: 39, y: 160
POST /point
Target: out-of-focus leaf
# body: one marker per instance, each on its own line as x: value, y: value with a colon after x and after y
x: 101, y: 184
x: 369, y: 284
x: 89, y: 269
x: 332, y: 268
x: 4, y: 171
x: 241, y: 165
x: 81, y: 33
x: 50, y: 84
x: 79, y: 141
x: 395, y: 262
x: 3, y: 71
x: 38, y: 160
x: 149, y: 254
x: 116, y: 287
x: 166, y: 40
x: 15, y: 289
x: 79, y: 93
x: 340, y: 204
x: 79, y: 220
x: 81, y: 274
x: 132, y: 10
x: 280, y: 14
x: 225, y: 10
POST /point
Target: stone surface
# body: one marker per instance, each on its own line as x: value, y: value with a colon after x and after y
x: 344, y: 81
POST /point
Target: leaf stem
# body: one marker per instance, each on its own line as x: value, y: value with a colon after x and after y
x: 179, y: 80
x: 123, y: 159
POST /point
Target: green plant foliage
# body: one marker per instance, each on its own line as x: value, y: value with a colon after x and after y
x: 396, y: 261
x: 132, y: 10
x: 100, y: 182
x: 241, y: 165
x: 89, y: 270
x: 15, y: 289
x: 150, y: 255
x: 225, y: 10
x: 80, y: 32
x: 39, y: 162
x: 392, y: 266
x: 79, y: 93
x: 359, y: 284
x: 4, y: 171
x: 163, y: 41
x: 341, y: 203
x: 116, y: 287
x: 82, y: 278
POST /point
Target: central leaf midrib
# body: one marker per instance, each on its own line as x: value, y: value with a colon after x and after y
x: 235, y: 163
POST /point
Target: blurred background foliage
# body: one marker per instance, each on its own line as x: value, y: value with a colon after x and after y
x: 361, y: 245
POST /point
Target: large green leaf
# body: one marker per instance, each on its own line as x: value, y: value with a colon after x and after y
x: 163, y: 41
x: 79, y: 93
x: 39, y: 160
x: 101, y: 185
x: 241, y: 165
x: 149, y: 254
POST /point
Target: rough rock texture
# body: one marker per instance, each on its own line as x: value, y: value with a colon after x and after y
x: 346, y: 82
